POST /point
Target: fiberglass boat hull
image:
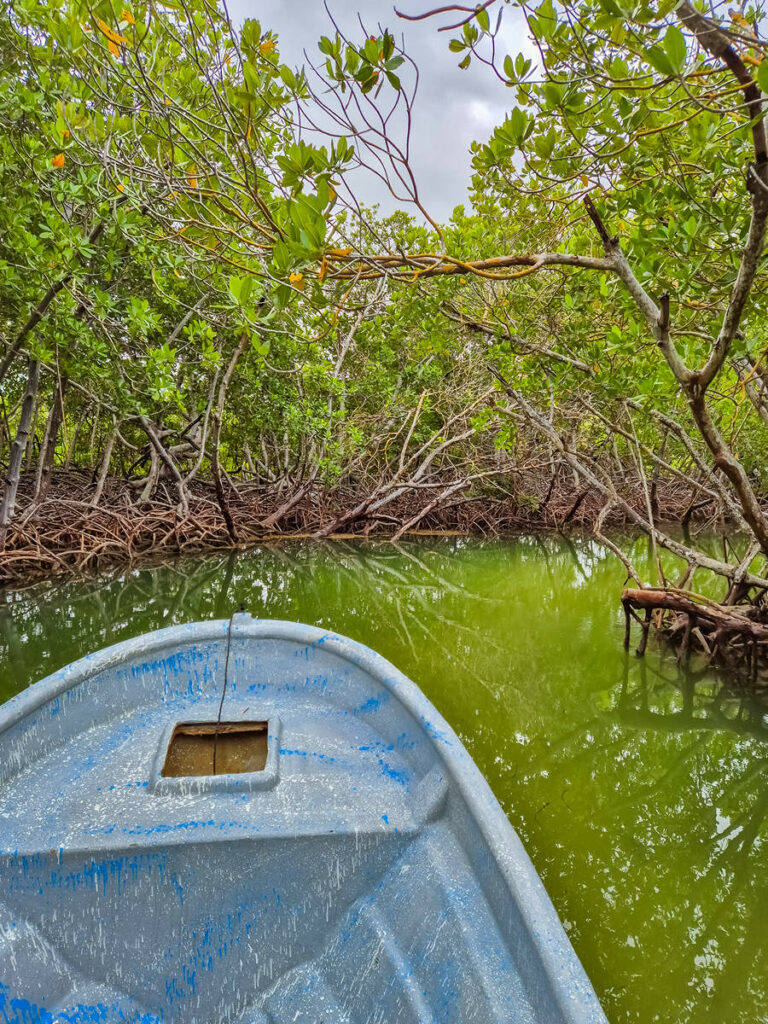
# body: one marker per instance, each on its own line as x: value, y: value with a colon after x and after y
x: 364, y: 874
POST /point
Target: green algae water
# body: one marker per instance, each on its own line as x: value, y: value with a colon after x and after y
x: 639, y: 791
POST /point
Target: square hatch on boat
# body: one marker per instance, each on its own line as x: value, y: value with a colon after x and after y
x: 216, y: 748
x: 247, y: 756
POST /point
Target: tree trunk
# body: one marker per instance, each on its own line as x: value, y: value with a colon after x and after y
x: 104, y: 468
x: 48, y: 447
x: 168, y: 462
x: 18, y: 447
x: 30, y: 449
x: 73, y: 440
x: 215, y: 466
x: 154, y: 472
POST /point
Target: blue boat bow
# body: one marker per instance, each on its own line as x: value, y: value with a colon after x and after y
x: 346, y: 863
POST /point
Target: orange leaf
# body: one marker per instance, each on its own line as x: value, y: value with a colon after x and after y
x: 297, y: 280
x: 114, y: 37
x: 127, y: 16
x: 113, y: 48
x: 58, y: 160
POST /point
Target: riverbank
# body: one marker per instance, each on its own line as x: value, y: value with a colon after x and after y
x: 67, y: 533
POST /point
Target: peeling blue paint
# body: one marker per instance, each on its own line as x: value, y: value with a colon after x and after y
x: 377, y: 850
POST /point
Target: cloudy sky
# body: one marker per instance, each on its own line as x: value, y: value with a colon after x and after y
x: 453, y: 107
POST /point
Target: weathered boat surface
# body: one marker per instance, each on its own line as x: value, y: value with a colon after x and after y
x: 365, y: 875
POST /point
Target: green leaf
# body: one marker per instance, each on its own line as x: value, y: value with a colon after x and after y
x: 674, y: 45
x: 546, y: 19
x: 288, y: 77
x: 659, y: 60
x: 483, y: 20
x: 240, y: 289
x: 553, y: 93
x: 456, y: 46
x: 518, y: 122
x: 371, y: 50
x: 259, y: 346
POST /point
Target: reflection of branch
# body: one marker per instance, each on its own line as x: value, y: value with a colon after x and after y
x: 649, y: 791
x: 681, y: 723
x: 451, y: 588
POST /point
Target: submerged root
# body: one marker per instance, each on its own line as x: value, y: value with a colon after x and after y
x: 731, y: 635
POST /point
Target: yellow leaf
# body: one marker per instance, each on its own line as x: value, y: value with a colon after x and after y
x: 267, y: 47
x: 127, y: 16
x: 339, y: 252
x: 113, y: 37
x: 192, y: 179
x: 297, y: 280
x: 113, y: 48
x: 323, y: 270
x: 584, y: 179
x: 167, y: 102
x: 120, y: 188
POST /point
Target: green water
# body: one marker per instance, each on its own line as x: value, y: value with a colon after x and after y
x: 640, y: 794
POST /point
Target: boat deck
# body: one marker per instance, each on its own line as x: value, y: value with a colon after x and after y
x: 364, y: 874
x: 334, y: 773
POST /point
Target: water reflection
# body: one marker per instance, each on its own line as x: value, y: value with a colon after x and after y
x: 639, y: 789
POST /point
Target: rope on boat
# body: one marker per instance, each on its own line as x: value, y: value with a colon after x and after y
x: 224, y: 688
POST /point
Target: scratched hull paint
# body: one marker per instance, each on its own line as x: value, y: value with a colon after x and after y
x: 366, y: 875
